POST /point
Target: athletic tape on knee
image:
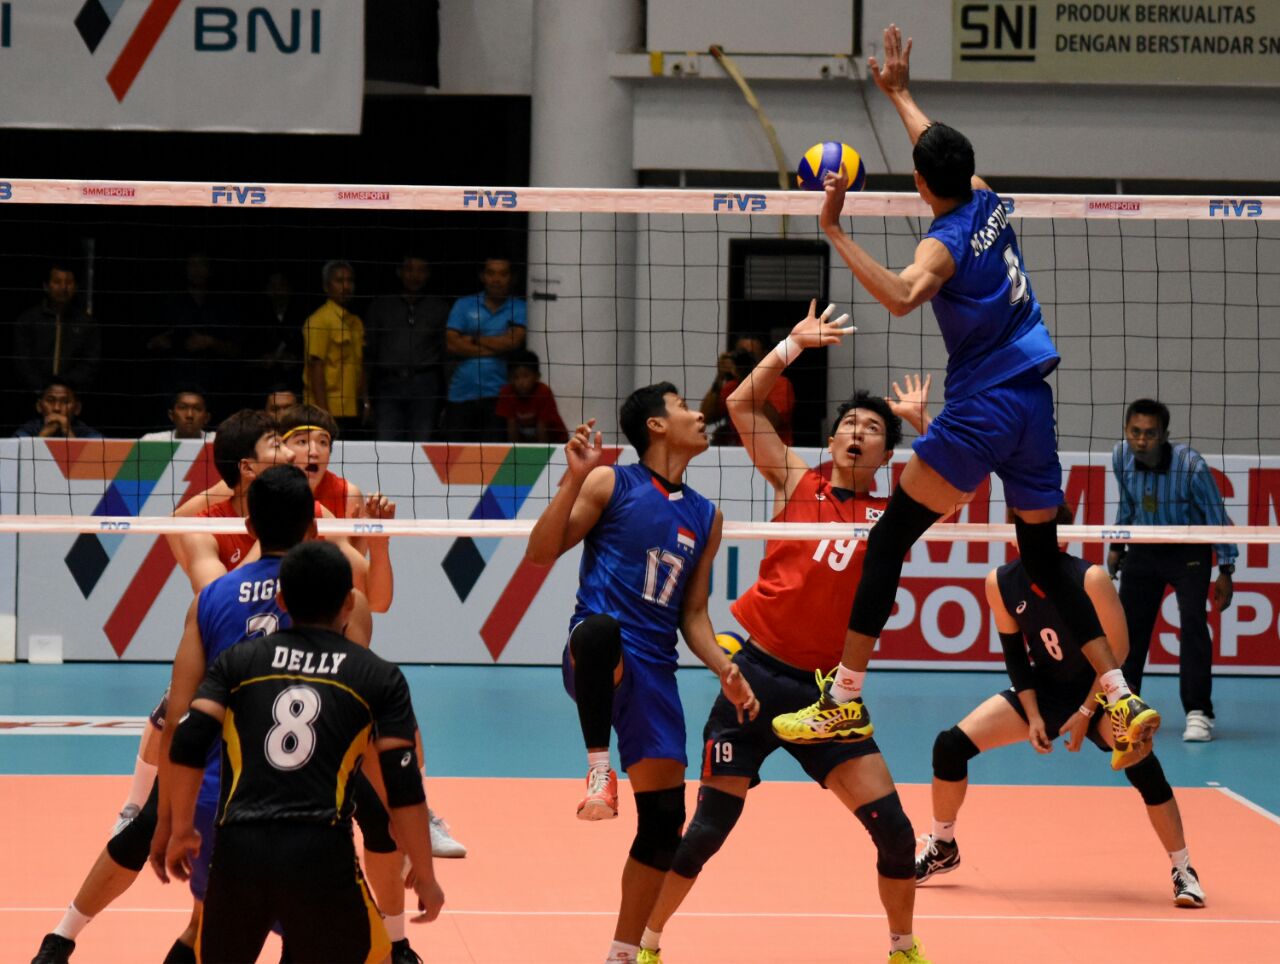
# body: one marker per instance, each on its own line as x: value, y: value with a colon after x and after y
x: 659, y: 820
x: 891, y: 832
x: 1149, y: 780
x: 952, y: 751
x: 1042, y: 559
x: 712, y: 822
x: 596, y: 648
x: 904, y: 521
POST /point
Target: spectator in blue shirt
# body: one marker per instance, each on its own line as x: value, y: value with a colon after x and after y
x: 482, y: 328
x: 57, y: 414
x: 1164, y: 484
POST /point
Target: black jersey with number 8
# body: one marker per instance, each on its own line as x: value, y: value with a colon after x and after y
x: 302, y: 706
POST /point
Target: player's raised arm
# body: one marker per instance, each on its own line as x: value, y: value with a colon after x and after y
x: 774, y: 459
x: 894, y: 78
x: 576, y: 507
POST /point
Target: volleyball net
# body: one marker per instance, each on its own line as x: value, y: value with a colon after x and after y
x: 208, y: 287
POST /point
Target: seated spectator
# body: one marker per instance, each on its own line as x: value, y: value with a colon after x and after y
x: 280, y: 398
x: 58, y: 411
x: 528, y: 405
x: 56, y: 336
x: 405, y: 356
x: 333, y: 336
x: 189, y: 416
x: 482, y: 328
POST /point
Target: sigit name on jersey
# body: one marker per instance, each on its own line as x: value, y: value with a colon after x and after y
x: 305, y: 661
x: 259, y: 591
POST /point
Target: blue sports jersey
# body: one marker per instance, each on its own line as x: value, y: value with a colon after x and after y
x: 637, y: 559
x: 989, y: 317
x: 240, y: 605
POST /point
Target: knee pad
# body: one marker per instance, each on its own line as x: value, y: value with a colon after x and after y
x: 1149, y: 780
x: 952, y: 751
x: 596, y: 642
x: 160, y: 712
x: 892, y: 834
x: 659, y: 819
x: 132, y: 845
x: 372, y: 816
x: 713, y: 820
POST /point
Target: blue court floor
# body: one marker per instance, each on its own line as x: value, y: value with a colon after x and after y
x: 513, y: 721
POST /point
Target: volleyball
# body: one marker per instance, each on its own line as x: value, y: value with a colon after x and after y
x: 731, y: 643
x: 827, y: 157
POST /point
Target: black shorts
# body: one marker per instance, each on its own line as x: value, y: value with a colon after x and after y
x: 1058, y: 704
x: 303, y: 875
x: 733, y: 749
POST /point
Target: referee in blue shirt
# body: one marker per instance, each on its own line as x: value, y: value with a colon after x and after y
x: 1164, y: 484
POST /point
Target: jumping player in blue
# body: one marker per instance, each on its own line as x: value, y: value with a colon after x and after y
x: 997, y: 417
x: 648, y: 543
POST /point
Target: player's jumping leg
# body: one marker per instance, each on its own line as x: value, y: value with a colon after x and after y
x: 1162, y: 810
x: 865, y: 787
x: 595, y: 649
x: 1132, y: 720
x: 720, y: 803
x: 659, y: 791
x: 921, y: 498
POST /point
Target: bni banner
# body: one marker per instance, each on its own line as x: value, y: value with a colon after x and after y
x: 109, y: 596
x: 235, y: 65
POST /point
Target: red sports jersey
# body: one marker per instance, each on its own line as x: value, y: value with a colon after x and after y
x: 332, y: 492
x: 233, y: 548
x: 798, y: 608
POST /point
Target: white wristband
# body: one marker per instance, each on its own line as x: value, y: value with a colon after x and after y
x: 1087, y: 710
x: 787, y: 350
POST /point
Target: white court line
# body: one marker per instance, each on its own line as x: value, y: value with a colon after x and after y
x: 753, y: 915
x: 1245, y: 801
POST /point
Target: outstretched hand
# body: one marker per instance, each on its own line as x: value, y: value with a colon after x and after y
x: 912, y: 404
x: 819, y: 331
x: 895, y: 74
x: 581, y: 453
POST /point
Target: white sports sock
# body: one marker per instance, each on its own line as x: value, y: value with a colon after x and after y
x: 598, y: 758
x: 901, y: 942
x: 944, y: 831
x: 144, y: 777
x: 1113, y: 685
x: 1181, y: 859
x: 622, y: 953
x: 848, y: 684
x: 394, y: 923
x: 72, y: 923
x: 650, y: 940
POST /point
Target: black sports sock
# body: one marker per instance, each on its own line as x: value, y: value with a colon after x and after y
x: 596, y: 647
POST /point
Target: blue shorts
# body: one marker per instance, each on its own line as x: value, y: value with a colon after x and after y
x: 1007, y: 429
x: 205, y: 822
x: 647, y: 714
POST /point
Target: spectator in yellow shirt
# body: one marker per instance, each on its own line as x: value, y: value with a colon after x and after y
x: 333, y: 339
